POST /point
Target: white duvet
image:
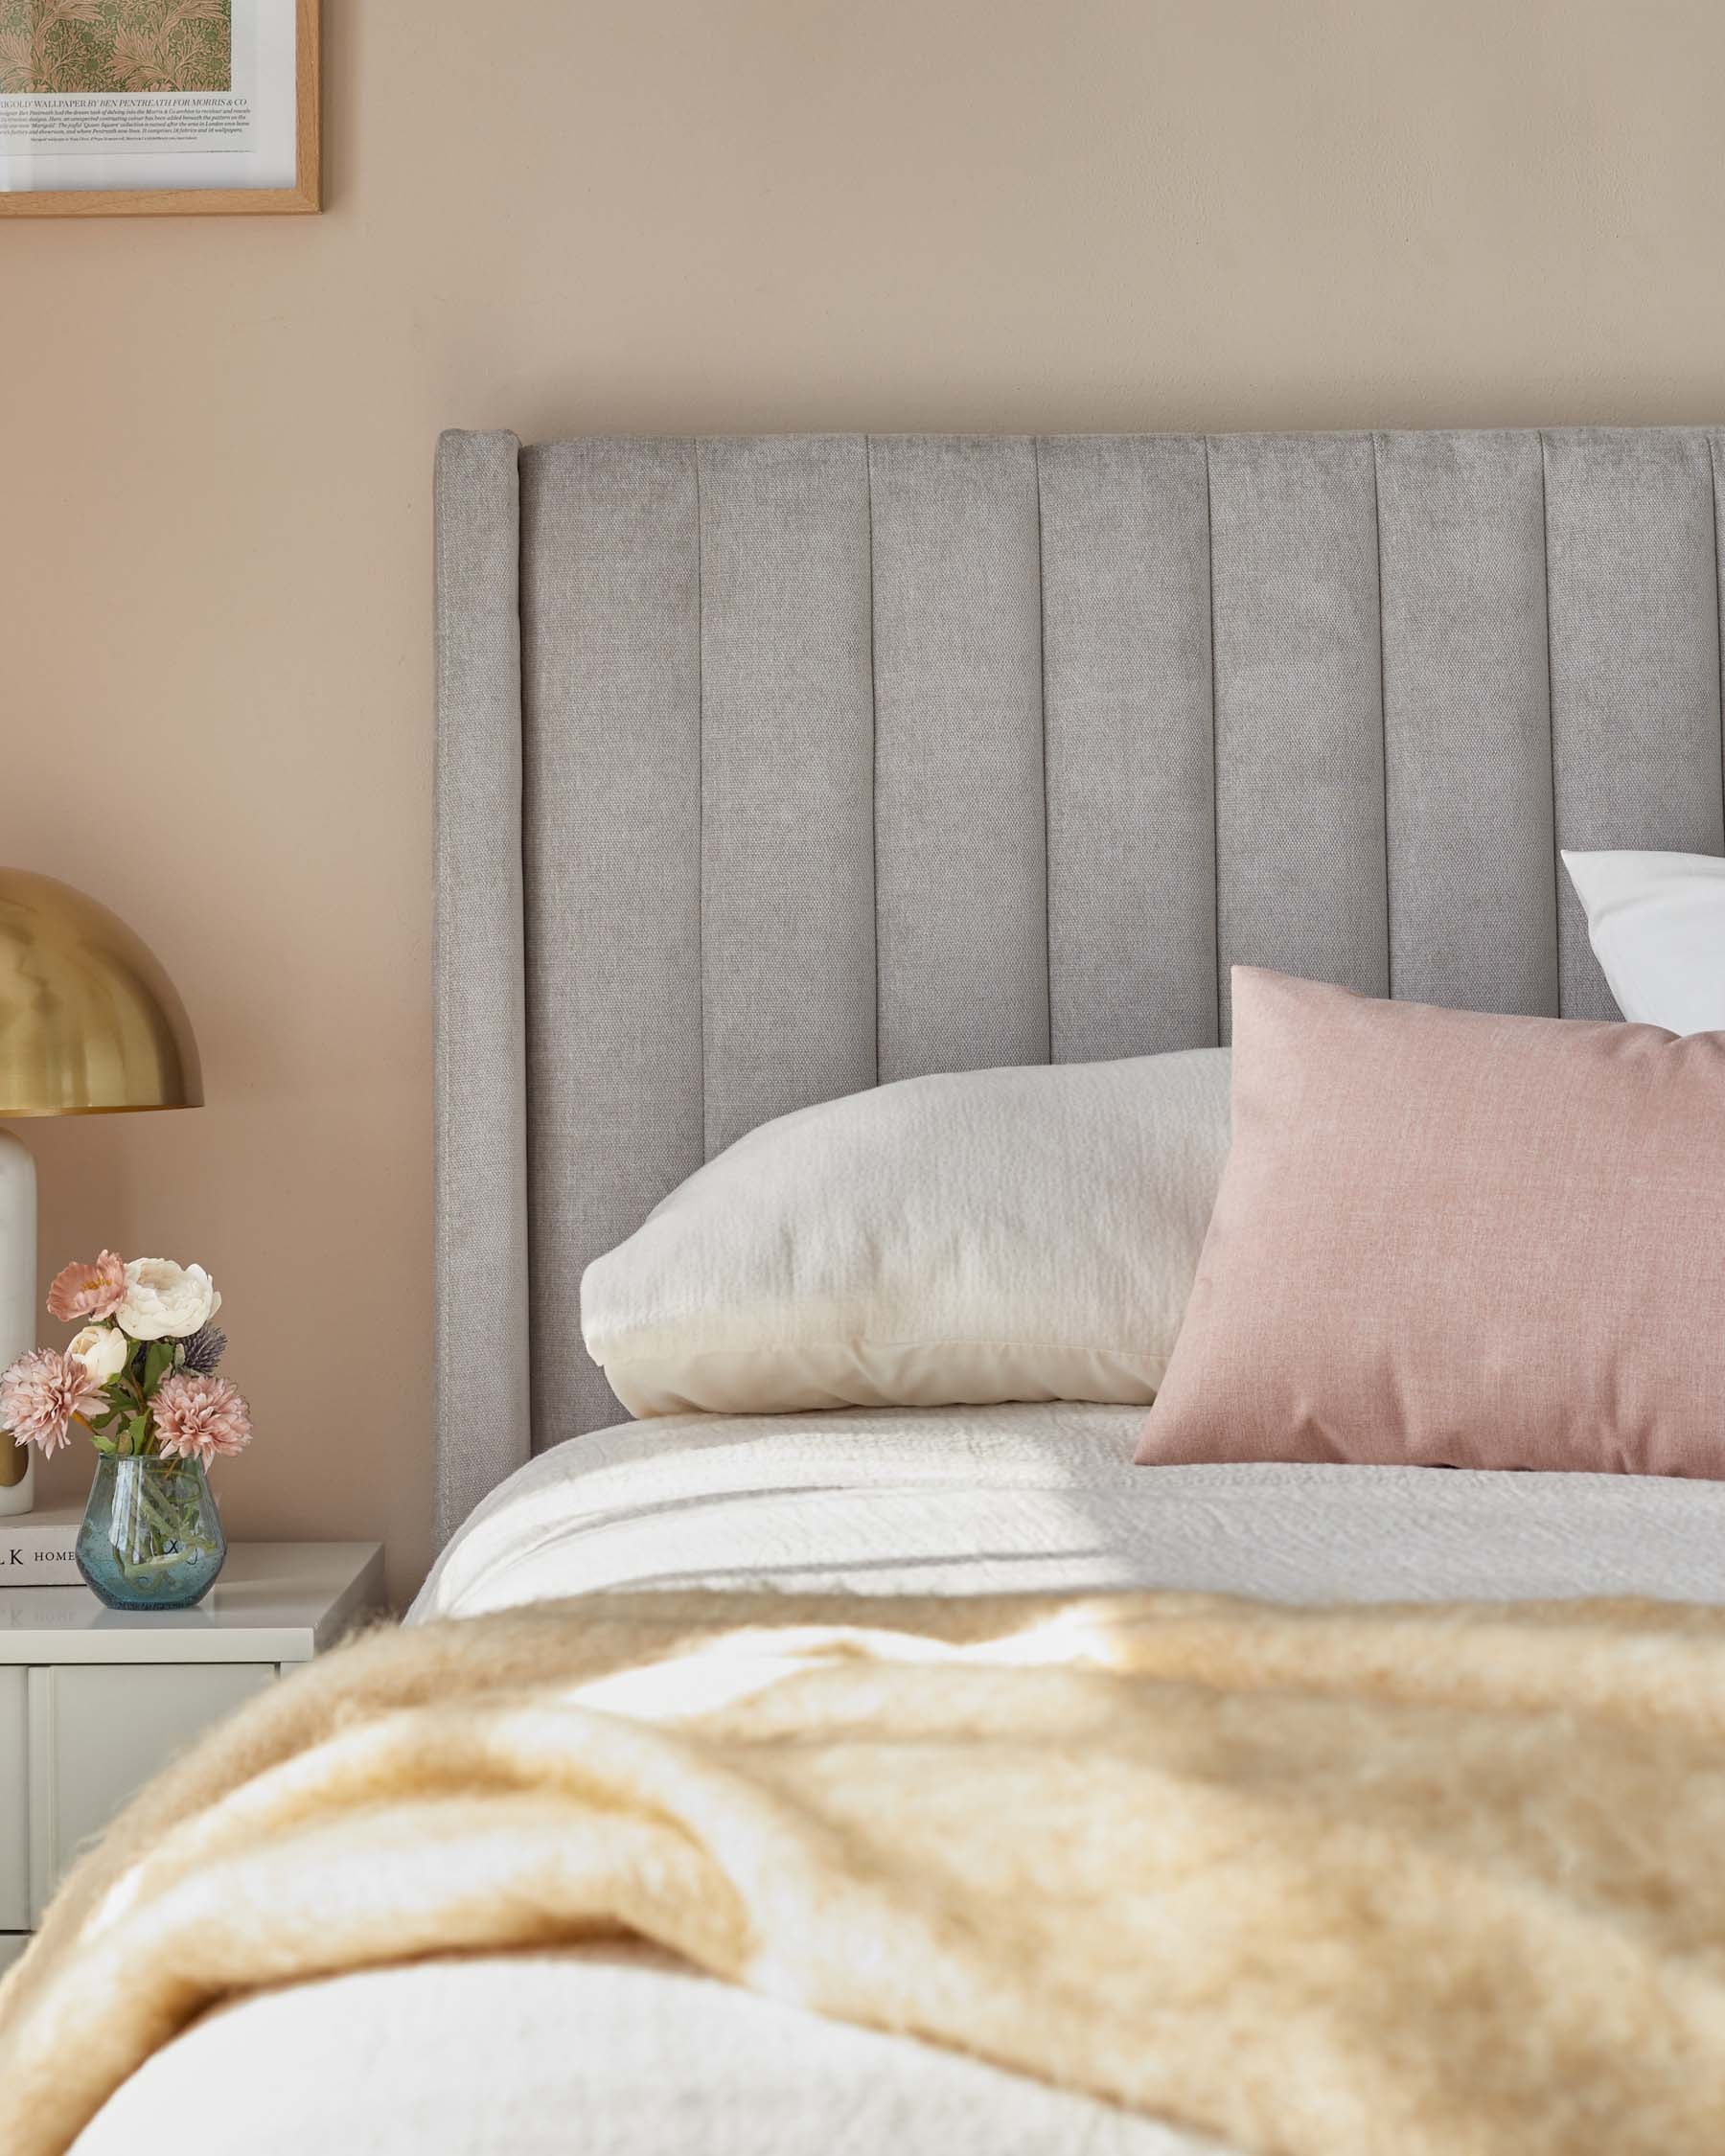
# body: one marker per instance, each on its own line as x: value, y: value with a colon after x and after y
x: 600, y: 2052
x: 971, y: 1501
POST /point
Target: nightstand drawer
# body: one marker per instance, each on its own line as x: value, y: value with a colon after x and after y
x: 14, y: 1806
x: 99, y: 1730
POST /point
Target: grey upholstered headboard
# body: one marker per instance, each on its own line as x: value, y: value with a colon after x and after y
x: 771, y: 768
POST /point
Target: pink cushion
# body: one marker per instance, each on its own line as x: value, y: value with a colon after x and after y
x: 1451, y: 1239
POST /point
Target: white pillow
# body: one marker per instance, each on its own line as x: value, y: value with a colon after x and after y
x: 1021, y: 1234
x: 1657, y: 925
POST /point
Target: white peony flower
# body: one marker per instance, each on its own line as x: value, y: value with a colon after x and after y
x: 163, y: 1300
x: 103, y: 1350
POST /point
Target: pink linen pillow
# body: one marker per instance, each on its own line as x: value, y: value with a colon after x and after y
x: 1444, y: 1238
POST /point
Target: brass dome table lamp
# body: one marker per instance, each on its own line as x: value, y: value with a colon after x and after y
x: 89, y: 1025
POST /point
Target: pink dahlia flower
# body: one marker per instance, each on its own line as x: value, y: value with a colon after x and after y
x: 200, y: 1417
x: 41, y: 1394
x: 83, y: 1294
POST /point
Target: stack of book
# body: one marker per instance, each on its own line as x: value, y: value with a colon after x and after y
x: 36, y: 1548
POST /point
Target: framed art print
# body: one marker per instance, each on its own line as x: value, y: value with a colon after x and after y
x: 158, y: 107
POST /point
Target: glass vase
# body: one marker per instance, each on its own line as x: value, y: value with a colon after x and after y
x: 150, y: 1539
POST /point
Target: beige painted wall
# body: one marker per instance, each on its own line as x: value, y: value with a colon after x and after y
x: 216, y: 447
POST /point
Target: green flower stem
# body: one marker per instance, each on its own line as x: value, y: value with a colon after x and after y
x: 169, y: 1524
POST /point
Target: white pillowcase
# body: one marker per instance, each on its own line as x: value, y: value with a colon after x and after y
x: 1019, y: 1234
x: 1657, y: 925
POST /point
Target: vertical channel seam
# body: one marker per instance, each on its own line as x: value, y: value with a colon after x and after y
x: 874, y: 756
x: 1712, y: 461
x: 523, y: 468
x: 1041, y: 672
x: 700, y: 796
x: 1210, y: 554
x: 1545, y: 536
x: 443, y: 1410
x: 1377, y: 526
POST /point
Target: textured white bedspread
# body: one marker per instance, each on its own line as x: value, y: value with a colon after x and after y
x: 610, y: 2054
x: 971, y: 1501
x: 616, y: 2052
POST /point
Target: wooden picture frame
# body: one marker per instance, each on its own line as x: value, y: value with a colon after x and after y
x: 304, y: 197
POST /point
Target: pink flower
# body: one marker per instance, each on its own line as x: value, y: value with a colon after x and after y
x: 200, y: 1416
x: 41, y: 1394
x: 83, y: 1294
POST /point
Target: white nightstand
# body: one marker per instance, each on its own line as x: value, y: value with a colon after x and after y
x: 92, y: 1702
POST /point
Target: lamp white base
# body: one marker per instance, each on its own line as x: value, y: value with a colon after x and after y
x: 17, y: 1298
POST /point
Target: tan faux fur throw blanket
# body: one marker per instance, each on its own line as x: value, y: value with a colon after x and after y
x: 1403, y: 1882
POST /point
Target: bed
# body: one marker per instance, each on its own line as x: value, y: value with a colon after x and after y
x: 772, y: 769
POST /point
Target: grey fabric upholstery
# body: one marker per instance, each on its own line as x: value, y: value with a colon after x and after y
x: 1299, y: 720
x: 1632, y: 562
x: 482, y: 1400
x: 788, y: 905
x: 612, y: 843
x: 961, y: 873
x: 1467, y: 754
x: 1130, y: 764
x: 826, y: 760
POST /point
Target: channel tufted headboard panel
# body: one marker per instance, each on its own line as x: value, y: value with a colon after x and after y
x: 772, y: 769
